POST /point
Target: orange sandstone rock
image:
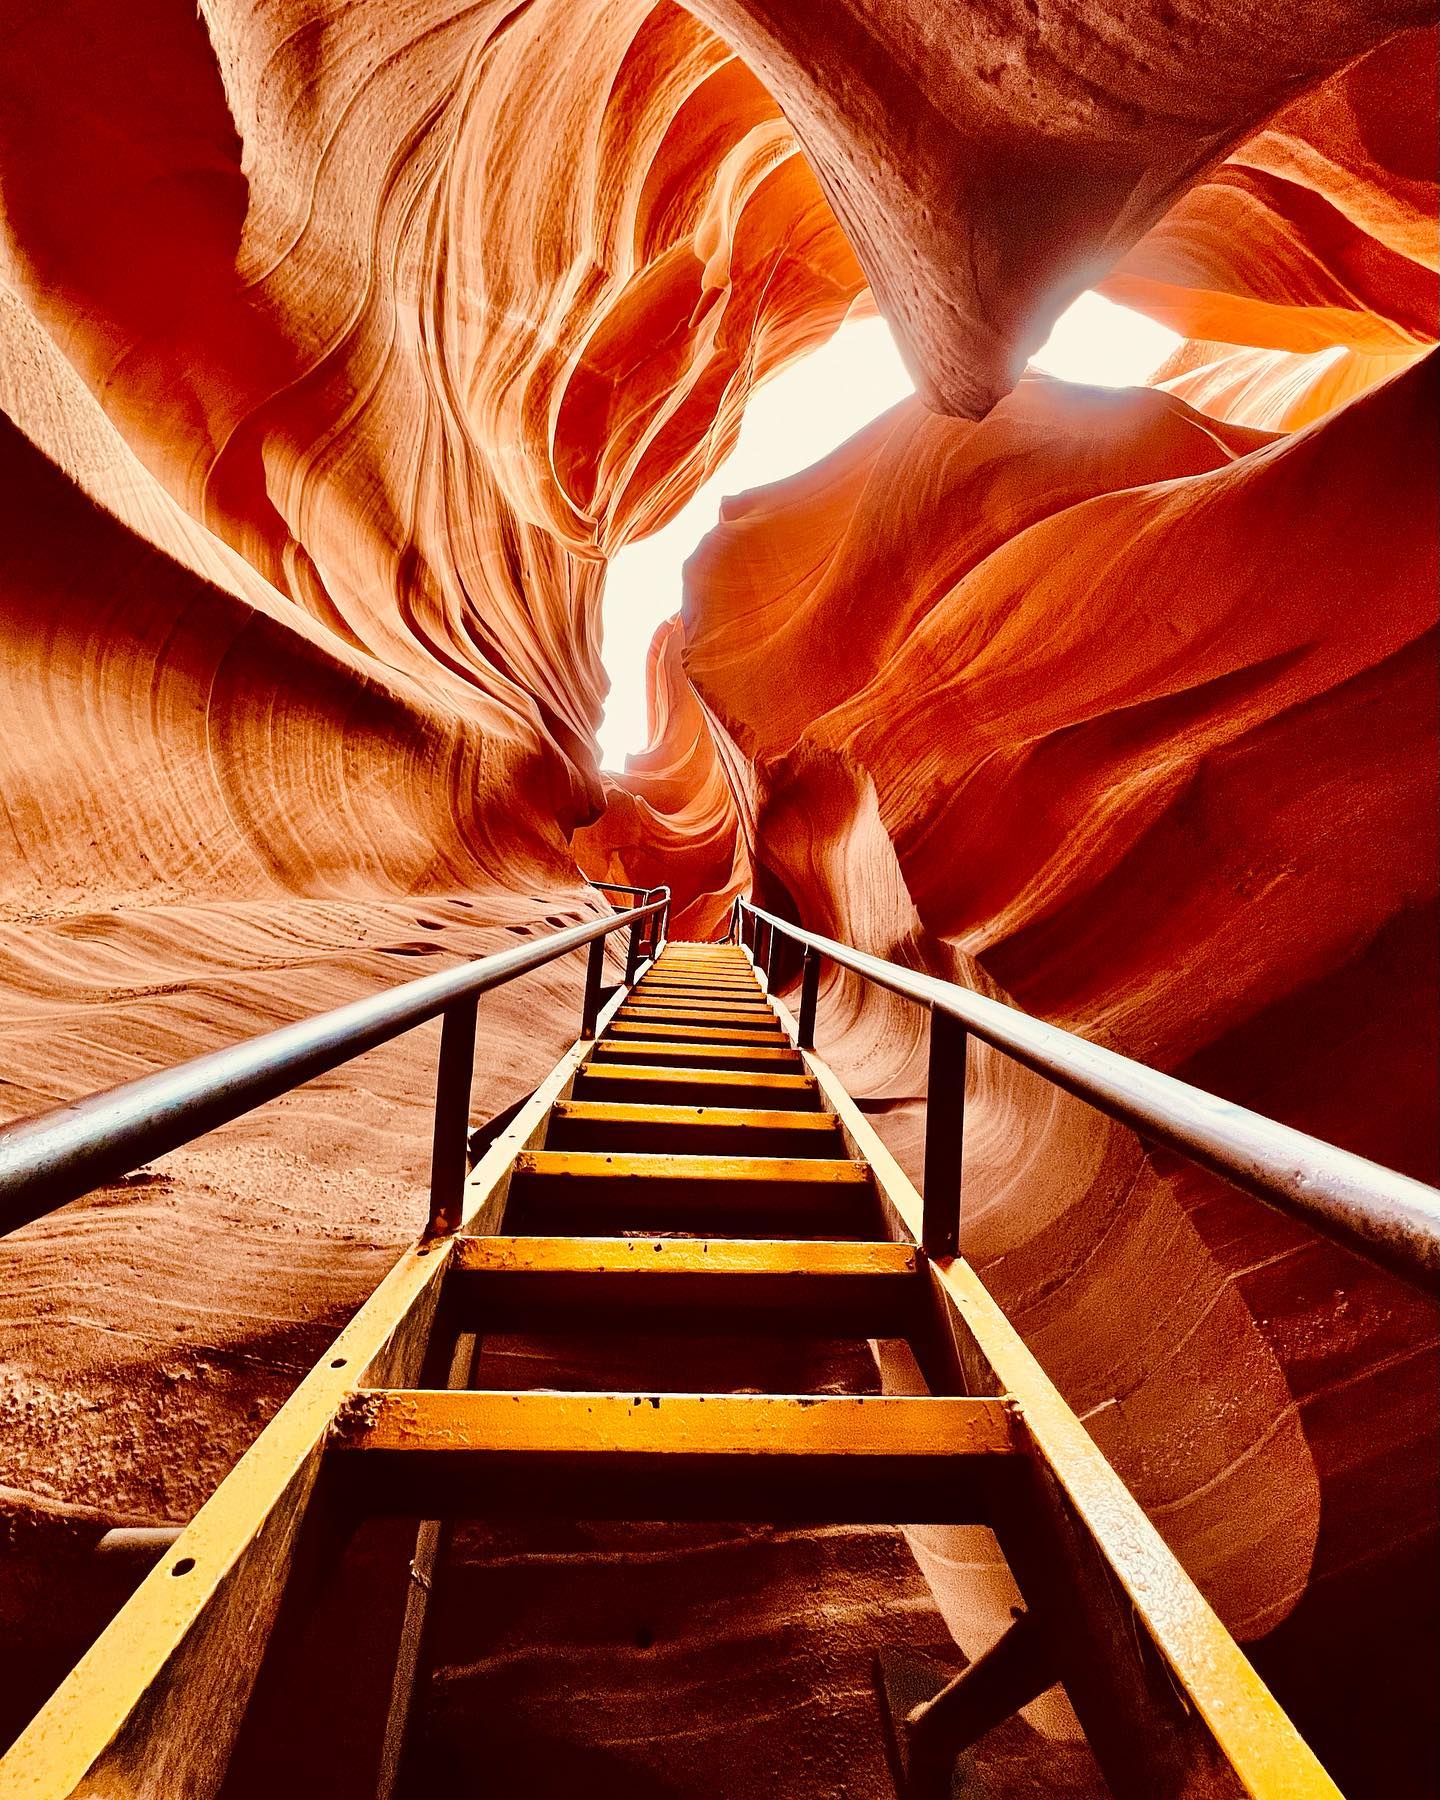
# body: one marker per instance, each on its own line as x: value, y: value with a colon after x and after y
x: 1157, y: 763
x: 344, y: 345
x: 990, y: 162
x: 672, y: 819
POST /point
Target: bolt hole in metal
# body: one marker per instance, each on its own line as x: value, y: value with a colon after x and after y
x: 339, y: 1362
x: 184, y: 1566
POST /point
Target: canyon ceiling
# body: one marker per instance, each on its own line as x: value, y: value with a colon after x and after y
x: 341, y: 345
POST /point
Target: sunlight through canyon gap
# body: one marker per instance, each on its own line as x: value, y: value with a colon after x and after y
x: 791, y: 422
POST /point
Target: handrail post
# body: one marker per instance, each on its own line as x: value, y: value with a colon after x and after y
x: 809, y: 994
x: 944, y: 1135
x: 450, y: 1150
x: 594, y: 978
x: 632, y: 954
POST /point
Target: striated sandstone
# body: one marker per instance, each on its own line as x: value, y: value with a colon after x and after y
x: 343, y: 345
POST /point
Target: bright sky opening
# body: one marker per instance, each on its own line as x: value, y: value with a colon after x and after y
x: 801, y: 415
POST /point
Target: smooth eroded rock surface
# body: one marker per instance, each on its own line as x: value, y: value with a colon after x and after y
x: 340, y: 347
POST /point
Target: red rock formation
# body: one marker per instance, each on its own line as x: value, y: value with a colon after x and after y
x: 357, y: 338
x: 989, y: 164
x: 1310, y: 255
x: 1317, y: 231
x: 672, y: 818
x: 1093, y: 756
x: 295, y: 288
x: 325, y: 707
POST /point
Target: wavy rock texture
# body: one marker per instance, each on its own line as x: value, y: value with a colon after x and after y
x: 343, y: 346
x: 673, y: 817
x: 1308, y: 259
x: 352, y: 345
x: 1317, y: 231
x: 338, y: 388
x: 1167, y: 806
x: 988, y: 163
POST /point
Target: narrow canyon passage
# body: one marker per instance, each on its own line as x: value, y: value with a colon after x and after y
x: 416, y: 511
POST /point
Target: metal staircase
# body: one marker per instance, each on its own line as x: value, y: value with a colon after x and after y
x: 685, y: 1168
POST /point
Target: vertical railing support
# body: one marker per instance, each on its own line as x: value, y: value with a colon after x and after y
x: 632, y: 954
x: 809, y: 994
x: 450, y: 1151
x: 594, y: 980
x: 944, y: 1135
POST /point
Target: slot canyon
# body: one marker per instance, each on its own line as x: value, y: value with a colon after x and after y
x: 342, y: 348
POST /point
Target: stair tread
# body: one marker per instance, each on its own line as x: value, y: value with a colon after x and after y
x: 629, y: 1029
x: 621, y: 1073
x: 700, y: 1286
x: 749, y: 1021
x: 688, y: 999
x: 748, y: 1003
x: 526, y: 1422
x: 748, y: 985
x: 754, y: 1008
x: 673, y: 972
x: 661, y: 1256
x: 632, y: 1112
x: 637, y: 1047
x: 706, y: 972
x: 629, y: 1075
x: 642, y: 1165
x: 692, y: 990
x: 730, y: 971
x: 688, y: 947
x: 758, y: 1021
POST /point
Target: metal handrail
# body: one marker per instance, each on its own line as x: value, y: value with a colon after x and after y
x: 1388, y: 1217
x: 645, y: 896
x: 53, y: 1157
x: 626, y: 887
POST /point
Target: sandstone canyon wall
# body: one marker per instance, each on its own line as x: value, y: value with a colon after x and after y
x: 341, y: 346
x: 336, y: 350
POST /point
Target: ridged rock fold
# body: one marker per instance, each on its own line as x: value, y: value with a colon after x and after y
x: 341, y: 348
